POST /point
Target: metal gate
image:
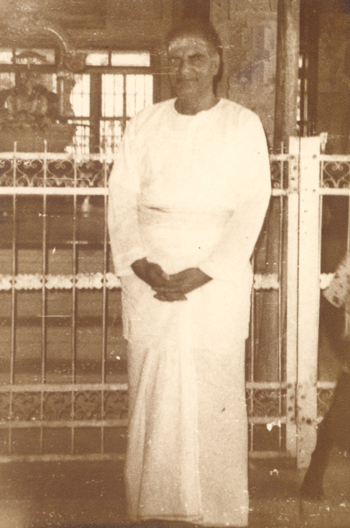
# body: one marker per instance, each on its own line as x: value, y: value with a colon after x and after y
x: 63, y: 383
x: 320, y: 189
x: 63, y: 392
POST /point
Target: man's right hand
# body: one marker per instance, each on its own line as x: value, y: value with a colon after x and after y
x: 150, y: 273
x: 156, y: 278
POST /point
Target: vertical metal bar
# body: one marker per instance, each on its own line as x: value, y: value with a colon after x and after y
x: 13, y: 295
x: 292, y: 294
x: 252, y: 327
x: 95, y: 111
x: 347, y: 319
x: 320, y: 249
x: 348, y: 227
x: 104, y: 290
x: 43, y: 296
x: 252, y: 356
x: 320, y: 243
x: 14, y: 271
x: 104, y: 306
x: 309, y: 298
x: 280, y: 314
x: 282, y: 294
x: 319, y: 257
x: 74, y: 300
x: 74, y: 272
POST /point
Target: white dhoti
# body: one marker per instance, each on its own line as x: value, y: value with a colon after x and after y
x: 187, y: 451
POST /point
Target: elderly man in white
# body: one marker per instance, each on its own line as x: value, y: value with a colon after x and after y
x: 188, y: 195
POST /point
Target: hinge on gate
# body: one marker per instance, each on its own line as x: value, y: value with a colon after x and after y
x: 292, y: 408
x: 293, y: 173
x: 291, y: 419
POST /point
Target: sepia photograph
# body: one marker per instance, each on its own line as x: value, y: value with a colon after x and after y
x: 175, y: 264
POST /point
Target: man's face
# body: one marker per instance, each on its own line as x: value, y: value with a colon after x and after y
x: 193, y: 65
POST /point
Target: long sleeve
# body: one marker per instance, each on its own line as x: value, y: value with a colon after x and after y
x: 123, y: 224
x: 231, y: 257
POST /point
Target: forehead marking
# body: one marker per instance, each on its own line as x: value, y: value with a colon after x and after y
x: 185, y: 41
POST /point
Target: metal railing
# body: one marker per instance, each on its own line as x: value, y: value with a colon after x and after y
x: 63, y: 379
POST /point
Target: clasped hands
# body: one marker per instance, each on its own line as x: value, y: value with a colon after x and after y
x: 169, y: 288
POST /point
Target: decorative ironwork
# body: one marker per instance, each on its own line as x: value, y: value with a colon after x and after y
x: 64, y: 172
x: 266, y: 282
x: 82, y: 281
x: 89, y: 405
x: 5, y: 282
x: 28, y: 282
x: 266, y: 402
x: 57, y: 406
x: 95, y: 281
x: 324, y: 400
x: 59, y: 282
x: 116, y: 405
x: 336, y: 174
x: 26, y: 406
x: 4, y: 407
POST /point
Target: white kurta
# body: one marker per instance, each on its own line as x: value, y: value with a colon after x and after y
x: 188, y: 191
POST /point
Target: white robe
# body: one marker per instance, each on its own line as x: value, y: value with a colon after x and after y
x: 188, y: 191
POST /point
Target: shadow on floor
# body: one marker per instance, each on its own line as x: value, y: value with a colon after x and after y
x: 91, y: 495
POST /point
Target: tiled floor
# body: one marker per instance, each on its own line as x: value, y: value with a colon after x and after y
x: 35, y: 495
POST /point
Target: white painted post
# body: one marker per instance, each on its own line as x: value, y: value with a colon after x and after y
x: 308, y: 297
x: 292, y: 294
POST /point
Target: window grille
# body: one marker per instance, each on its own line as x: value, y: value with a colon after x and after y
x: 122, y: 95
x: 114, y: 86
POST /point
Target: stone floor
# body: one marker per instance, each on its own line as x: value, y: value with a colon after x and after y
x: 91, y: 495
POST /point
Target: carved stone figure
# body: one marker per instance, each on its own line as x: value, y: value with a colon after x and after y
x: 29, y: 115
